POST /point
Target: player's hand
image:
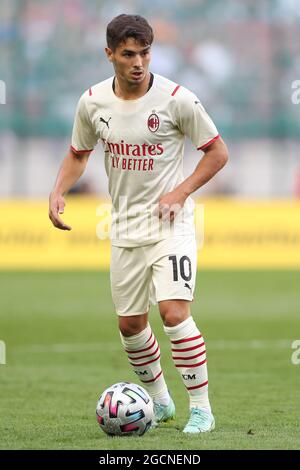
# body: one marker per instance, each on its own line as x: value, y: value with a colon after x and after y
x: 56, y: 207
x: 170, y: 204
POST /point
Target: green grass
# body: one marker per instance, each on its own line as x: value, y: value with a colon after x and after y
x: 48, y: 392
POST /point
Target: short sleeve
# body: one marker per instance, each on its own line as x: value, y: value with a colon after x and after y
x: 84, y: 138
x: 193, y: 121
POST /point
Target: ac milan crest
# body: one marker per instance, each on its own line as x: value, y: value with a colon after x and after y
x: 153, y: 122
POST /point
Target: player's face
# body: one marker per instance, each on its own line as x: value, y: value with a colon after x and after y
x: 131, y: 61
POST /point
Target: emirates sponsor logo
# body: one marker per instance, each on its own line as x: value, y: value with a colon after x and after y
x: 132, y: 150
x: 153, y: 122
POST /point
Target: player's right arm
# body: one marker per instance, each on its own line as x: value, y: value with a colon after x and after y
x: 83, y: 141
x: 72, y: 168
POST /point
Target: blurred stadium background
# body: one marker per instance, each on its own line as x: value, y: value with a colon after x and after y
x: 241, y: 58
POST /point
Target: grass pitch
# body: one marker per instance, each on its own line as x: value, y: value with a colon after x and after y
x: 63, y: 350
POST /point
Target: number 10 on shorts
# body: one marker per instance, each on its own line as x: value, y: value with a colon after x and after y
x: 185, y: 267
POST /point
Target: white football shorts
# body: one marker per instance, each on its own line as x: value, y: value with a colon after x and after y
x: 161, y: 271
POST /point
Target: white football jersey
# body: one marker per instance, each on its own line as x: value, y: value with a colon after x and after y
x: 143, y: 142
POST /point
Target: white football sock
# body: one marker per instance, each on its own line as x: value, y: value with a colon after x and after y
x: 188, y: 352
x: 144, y: 355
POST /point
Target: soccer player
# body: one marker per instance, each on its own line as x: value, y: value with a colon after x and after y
x: 142, y: 119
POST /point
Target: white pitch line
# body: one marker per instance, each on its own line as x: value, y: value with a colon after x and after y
x: 115, y: 346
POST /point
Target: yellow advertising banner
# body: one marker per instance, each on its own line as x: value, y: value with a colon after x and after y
x: 237, y: 234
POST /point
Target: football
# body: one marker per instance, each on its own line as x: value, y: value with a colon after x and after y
x: 125, y: 409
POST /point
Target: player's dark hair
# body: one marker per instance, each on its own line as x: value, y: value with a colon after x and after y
x: 124, y: 26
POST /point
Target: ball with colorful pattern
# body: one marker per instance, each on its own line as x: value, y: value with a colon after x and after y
x: 125, y: 409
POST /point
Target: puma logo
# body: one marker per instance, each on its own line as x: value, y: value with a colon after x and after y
x: 186, y: 285
x: 105, y: 122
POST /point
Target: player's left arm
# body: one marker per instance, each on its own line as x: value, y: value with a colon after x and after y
x: 214, y: 158
x: 192, y: 120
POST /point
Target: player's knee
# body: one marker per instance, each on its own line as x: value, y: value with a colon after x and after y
x: 174, y: 312
x: 173, y: 316
x: 130, y: 326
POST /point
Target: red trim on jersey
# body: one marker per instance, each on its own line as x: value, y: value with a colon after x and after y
x: 79, y: 152
x: 197, y: 386
x: 190, y: 365
x: 90, y: 92
x: 178, y: 341
x: 152, y: 380
x: 208, y: 143
x: 175, y: 90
